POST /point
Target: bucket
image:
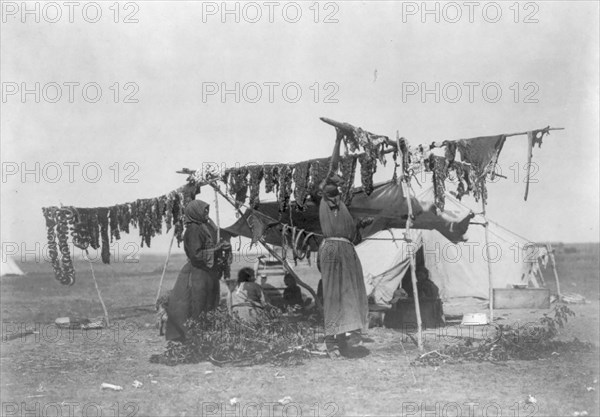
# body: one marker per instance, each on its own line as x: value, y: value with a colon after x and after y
x: 475, y: 319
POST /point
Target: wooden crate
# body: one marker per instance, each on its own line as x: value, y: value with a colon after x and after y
x: 521, y: 298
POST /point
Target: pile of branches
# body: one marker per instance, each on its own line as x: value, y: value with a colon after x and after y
x: 226, y: 340
x: 511, y: 342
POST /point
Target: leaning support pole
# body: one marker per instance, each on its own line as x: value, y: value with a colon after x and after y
x: 551, y: 255
x: 164, y: 271
x: 87, y: 257
x: 217, y: 217
x: 227, y: 284
x: 487, y: 253
x: 288, y: 268
x: 413, y: 274
x: 284, y: 262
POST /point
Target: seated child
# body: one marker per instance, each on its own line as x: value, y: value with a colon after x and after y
x: 292, y: 296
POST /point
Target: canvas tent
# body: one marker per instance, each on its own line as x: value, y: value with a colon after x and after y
x: 10, y: 267
x: 458, y: 269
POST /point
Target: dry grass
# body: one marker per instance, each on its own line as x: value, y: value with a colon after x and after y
x: 50, y: 369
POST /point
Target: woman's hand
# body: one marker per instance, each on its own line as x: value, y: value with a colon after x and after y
x: 224, y: 245
x: 365, y: 221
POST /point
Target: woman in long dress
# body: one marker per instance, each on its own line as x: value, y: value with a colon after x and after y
x: 197, y: 287
x: 344, y: 296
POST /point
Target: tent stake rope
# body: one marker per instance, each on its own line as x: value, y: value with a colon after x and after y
x: 164, y: 271
x: 87, y: 257
x: 413, y: 274
x: 283, y: 261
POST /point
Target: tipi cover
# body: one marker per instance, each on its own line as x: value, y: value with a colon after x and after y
x: 10, y: 267
x: 458, y: 269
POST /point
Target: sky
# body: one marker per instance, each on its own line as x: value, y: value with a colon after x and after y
x: 101, y: 104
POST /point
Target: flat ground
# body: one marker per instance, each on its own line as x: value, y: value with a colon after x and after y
x: 53, y: 372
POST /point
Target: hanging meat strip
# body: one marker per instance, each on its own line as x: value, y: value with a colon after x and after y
x: 533, y: 138
x: 103, y: 220
x: 285, y: 186
x: 124, y: 218
x: 50, y: 216
x: 158, y: 208
x: 93, y: 228
x: 317, y: 172
x: 146, y: 221
x: 169, y: 212
x: 270, y: 174
x: 348, y: 171
x: 162, y: 208
x: 80, y: 234
x: 450, y: 151
x: 482, y: 153
x: 405, y: 157
x: 114, y: 222
x: 463, y: 176
x: 353, y: 140
x: 64, y: 222
x: 437, y: 165
x: 368, y: 166
x: 256, y: 177
x: 134, y: 208
x: 238, y: 182
x: 177, y: 218
x: 301, y: 178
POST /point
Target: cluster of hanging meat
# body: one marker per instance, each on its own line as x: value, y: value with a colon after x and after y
x: 302, y: 180
x: 96, y: 228
x: 479, y: 157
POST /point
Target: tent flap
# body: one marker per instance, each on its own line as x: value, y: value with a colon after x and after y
x: 386, y: 204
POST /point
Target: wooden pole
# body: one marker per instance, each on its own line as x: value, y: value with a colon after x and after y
x: 164, y: 271
x: 217, y: 215
x: 487, y: 251
x: 438, y: 144
x: 407, y: 238
x: 87, y: 257
x: 273, y: 253
x: 288, y: 268
x: 227, y: 284
x: 551, y: 255
x: 349, y: 128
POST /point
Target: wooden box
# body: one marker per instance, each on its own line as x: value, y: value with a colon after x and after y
x: 521, y: 298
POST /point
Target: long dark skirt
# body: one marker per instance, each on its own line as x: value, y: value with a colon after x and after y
x: 195, y: 291
x: 345, y: 301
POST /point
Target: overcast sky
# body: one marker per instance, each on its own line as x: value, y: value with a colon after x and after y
x: 363, y: 66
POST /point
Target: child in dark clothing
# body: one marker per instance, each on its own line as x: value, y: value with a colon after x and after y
x: 292, y: 295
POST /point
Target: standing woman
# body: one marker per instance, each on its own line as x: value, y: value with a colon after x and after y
x: 197, y: 287
x: 344, y: 296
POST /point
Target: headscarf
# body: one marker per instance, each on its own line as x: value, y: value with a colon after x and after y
x: 195, y: 212
x: 331, y: 192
